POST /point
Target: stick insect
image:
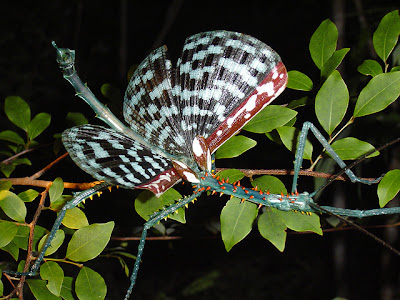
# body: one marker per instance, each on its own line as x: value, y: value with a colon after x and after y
x: 177, y: 119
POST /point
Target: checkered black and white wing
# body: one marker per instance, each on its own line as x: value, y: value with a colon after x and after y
x: 149, y: 107
x: 221, y: 81
x: 117, y: 159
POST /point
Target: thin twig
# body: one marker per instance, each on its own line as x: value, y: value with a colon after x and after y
x: 32, y: 225
x: 10, y: 159
x: 251, y: 172
x: 42, y: 171
x: 44, y: 183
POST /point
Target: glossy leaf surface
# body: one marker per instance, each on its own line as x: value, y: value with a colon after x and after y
x: 236, y: 221
x: 323, y: 43
x: 331, y: 102
x: 270, y: 118
x: 389, y: 187
x: 378, y: 94
x: 54, y: 275
x: 234, y: 147
x: 90, y: 285
x: 387, y: 34
x: 88, y: 242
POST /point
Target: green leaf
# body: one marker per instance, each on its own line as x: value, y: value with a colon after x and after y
x: 270, y: 118
x: 388, y: 187
x: 290, y: 138
x: 60, y: 202
x: 38, y: 124
x: 236, y: 221
x: 90, y: 285
x: 272, y: 228
x: 111, y: 92
x: 331, y: 102
x: 66, y: 289
x: 234, y: 147
x: 12, y: 206
x: 75, y: 218
x: 22, y: 236
x: 76, y: 118
x: 7, y: 169
x: 299, y: 81
x: 147, y: 204
x: 333, y: 62
x: 88, y: 242
x: 5, y: 185
x: 301, y: 222
x: 323, y: 43
x: 351, y: 148
x: 303, y: 101
x: 379, y: 93
x: 12, y: 249
x: 56, y: 189
x: 28, y: 195
x: 232, y: 174
x: 395, y: 69
x: 18, y: 111
x: 54, y: 275
x: 8, y: 230
x: 21, y: 161
x: 40, y: 291
x: 21, y: 266
x: 55, y: 243
x: 11, y: 136
x: 396, y: 56
x: 386, y: 35
x: 269, y: 183
x: 370, y: 67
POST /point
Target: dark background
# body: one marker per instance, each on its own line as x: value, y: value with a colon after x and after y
x: 111, y: 36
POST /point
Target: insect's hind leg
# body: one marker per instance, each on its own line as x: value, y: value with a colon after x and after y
x: 300, y: 150
x: 78, y: 198
x: 154, y: 219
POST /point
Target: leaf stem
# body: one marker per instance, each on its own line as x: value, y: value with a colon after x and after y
x: 64, y: 261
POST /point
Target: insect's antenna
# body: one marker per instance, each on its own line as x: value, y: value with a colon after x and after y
x: 354, y: 163
x: 362, y: 229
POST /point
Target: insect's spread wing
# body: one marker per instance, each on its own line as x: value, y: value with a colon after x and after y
x: 115, y: 158
x: 149, y: 107
x: 223, y: 80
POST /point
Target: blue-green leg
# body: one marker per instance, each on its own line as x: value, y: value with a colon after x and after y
x: 300, y: 150
x: 154, y: 219
x: 78, y: 198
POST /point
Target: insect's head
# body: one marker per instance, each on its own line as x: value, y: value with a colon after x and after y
x: 65, y: 57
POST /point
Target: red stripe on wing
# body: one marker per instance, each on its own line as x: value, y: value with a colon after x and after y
x: 270, y: 88
x: 162, y: 182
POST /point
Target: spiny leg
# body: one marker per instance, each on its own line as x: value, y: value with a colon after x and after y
x: 154, y: 219
x: 78, y: 198
x: 300, y: 150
